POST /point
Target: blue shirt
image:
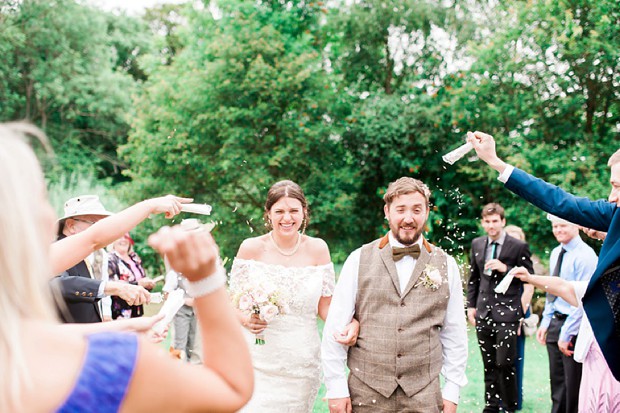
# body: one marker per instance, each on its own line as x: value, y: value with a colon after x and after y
x: 578, y: 264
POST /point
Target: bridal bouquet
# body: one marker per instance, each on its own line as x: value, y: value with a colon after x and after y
x: 263, y: 300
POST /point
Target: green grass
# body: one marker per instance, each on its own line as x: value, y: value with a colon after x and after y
x: 536, y: 392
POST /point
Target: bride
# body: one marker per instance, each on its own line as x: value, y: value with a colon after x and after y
x: 287, y: 367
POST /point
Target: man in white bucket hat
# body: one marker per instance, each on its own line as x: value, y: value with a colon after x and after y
x: 86, y: 209
x: 79, y: 237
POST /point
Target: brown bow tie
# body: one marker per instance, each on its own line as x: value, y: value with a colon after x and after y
x: 399, y: 253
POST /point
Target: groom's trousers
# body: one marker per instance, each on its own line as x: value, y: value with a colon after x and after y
x: 365, y: 399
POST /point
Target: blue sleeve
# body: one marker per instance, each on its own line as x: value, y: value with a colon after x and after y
x: 570, y: 328
x: 586, y: 265
x: 550, y: 198
x: 547, y: 314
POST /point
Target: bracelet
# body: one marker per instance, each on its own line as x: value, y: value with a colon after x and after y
x: 208, y: 284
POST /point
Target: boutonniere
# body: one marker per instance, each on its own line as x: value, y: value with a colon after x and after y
x: 430, y: 278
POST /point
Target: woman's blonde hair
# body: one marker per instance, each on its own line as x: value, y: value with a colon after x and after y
x: 515, y: 232
x: 24, y: 262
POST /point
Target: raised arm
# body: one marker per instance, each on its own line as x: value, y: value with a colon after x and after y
x: 224, y: 383
x: 68, y: 251
x: 484, y: 145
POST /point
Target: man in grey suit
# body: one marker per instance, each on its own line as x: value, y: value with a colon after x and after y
x: 497, y: 316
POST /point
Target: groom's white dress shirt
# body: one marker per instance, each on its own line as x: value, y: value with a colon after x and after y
x: 453, y: 336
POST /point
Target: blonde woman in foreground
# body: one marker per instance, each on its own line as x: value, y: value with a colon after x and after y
x: 47, y: 368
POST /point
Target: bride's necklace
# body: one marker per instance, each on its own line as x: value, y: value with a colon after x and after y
x: 286, y: 253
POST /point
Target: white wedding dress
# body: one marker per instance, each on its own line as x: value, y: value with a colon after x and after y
x: 287, y: 368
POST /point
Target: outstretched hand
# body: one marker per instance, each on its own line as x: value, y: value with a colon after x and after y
x: 484, y: 144
x: 144, y: 325
x: 169, y: 205
x: 191, y: 253
x: 521, y: 273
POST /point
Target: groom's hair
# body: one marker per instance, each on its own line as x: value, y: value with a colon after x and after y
x: 406, y: 185
x: 614, y: 159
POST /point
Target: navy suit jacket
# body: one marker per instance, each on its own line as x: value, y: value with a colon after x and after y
x: 602, y: 216
x: 79, y: 293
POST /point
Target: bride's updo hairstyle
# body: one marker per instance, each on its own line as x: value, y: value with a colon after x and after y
x: 286, y: 189
x: 24, y: 246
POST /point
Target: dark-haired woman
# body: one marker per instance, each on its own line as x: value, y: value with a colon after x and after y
x: 298, y: 267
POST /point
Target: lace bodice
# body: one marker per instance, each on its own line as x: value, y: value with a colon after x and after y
x: 287, y: 367
x: 297, y: 285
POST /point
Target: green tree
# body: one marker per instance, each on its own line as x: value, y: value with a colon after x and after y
x: 545, y: 83
x: 70, y: 69
x: 245, y: 103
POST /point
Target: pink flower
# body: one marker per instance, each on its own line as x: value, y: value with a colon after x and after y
x: 269, y: 312
x: 245, y: 302
x: 260, y: 296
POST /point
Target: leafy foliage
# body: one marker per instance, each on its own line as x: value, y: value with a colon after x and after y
x: 221, y: 102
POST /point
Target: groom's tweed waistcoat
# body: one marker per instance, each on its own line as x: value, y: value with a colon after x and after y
x: 398, y: 343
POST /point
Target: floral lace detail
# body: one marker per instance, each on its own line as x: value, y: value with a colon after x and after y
x: 287, y: 367
x: 292, y: 282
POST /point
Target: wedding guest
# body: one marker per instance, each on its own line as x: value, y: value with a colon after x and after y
x: 599, y: 391
x: 298, y: 268
x: 184, y: 321
x: 572, y: 260
x: 497, y: 317
x: 598, y: 215
x: 84, y: 230
x: 98, y: 232
x: 125, y: 265
x: 528, y: 292
x: 408, y: 299
x: 56, y: 376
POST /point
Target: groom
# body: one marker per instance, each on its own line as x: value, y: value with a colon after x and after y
x: 408, y: 298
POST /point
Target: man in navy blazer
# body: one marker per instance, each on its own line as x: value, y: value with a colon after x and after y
x: 602, y: 299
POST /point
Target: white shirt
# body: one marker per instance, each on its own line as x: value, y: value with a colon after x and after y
x: 105, y: 304
x: 586, y: 335
x: 505, y: 176
x: 453, y: 335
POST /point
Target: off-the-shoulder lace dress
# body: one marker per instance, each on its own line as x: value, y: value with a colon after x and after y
x: 287, y: 367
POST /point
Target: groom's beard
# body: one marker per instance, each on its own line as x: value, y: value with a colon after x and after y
x: 405, y: 239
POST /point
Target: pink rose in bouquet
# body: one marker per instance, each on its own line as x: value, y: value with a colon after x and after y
x: 262, y: 300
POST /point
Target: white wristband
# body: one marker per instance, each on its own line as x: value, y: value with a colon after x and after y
x: 208, y: 284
